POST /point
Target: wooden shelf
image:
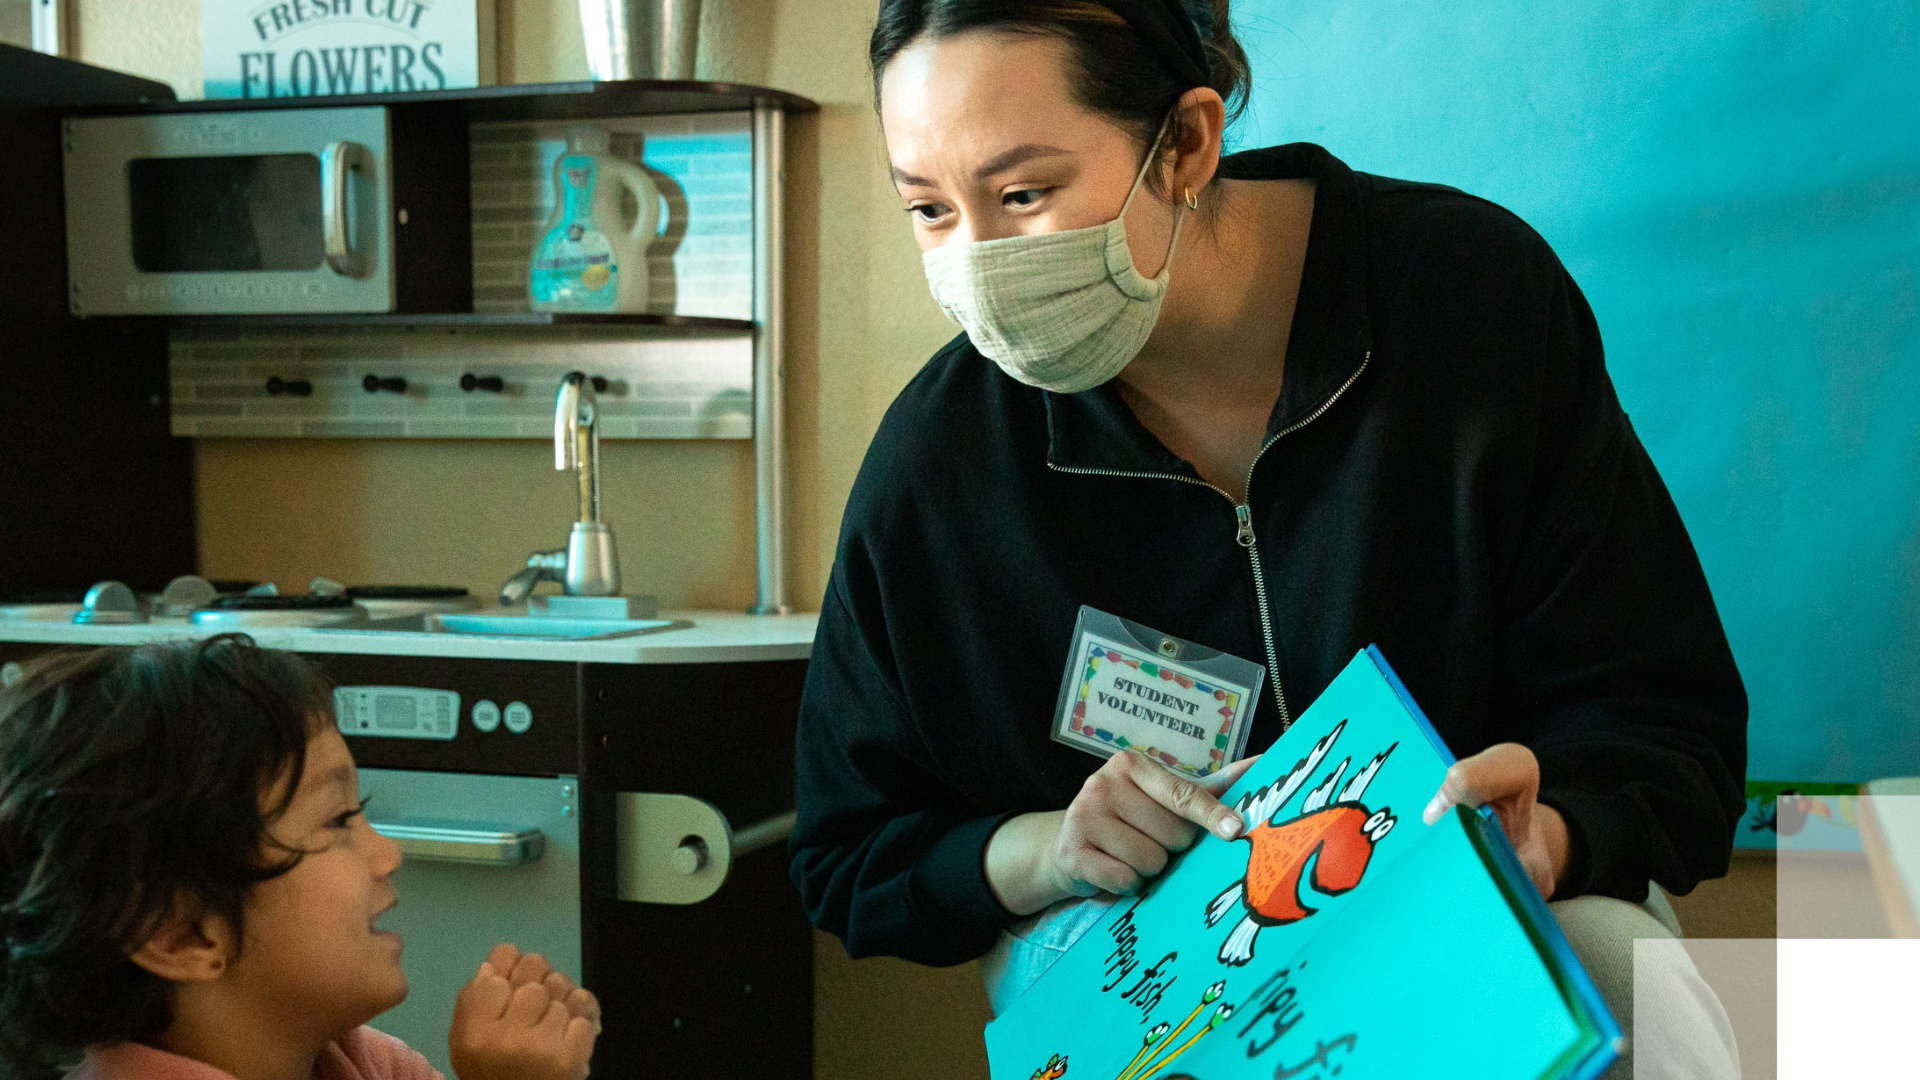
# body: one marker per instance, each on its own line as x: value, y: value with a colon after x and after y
x: 38, y: 83
x: 450, y: 110
x: 449, y: 320
x: 522, y: 101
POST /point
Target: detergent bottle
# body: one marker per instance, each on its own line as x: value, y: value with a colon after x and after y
x: 590, y: 258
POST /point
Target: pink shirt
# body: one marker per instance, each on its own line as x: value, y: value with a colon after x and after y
x: 360, y: 1054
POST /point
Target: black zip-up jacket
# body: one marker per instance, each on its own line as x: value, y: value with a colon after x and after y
x: 1448, y: 474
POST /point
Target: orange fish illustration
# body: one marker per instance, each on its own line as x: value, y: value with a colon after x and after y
x: 1335, y: 834
x: 1055, y: 1068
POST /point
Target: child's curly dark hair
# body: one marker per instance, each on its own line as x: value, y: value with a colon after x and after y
x: 135, y: 785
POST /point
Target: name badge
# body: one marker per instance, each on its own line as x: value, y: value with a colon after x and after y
x: 1130, y: 687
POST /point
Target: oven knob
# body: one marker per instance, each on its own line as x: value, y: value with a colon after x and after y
x: 691, y: 856
x: 486, y: 715
x: 519, y: 717
x: 109, y: 603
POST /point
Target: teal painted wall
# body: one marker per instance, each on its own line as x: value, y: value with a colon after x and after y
x: 1735, y: 184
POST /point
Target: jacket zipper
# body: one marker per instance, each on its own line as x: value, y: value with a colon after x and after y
x: 1243, y: 526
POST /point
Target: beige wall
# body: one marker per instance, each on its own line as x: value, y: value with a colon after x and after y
x: 160, y: 40
x: 468, y: 512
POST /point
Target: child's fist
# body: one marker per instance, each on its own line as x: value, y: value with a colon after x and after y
x: 521, y: 969
x: 526, y: 1023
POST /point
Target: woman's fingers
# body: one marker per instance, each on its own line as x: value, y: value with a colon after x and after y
x: 1094, y: 871
x: 1542, y: 872
x: 1183, y: 797
x: 1506, y: 775
x: 1507, y: 778
x: 1538, y: 863
x: 1094, y: 824
x: 1140, y: 852
x: 1130, y: 814
x: 1159, y: 824
x: 1219, y: 782
x: 1174, y: 832
x: 1485, y: 776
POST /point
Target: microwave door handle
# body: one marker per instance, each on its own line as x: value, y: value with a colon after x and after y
x: 337, y: 163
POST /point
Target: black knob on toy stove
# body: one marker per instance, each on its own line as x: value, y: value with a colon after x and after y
x: 373, y: 384
x: 291, y: 387
x: 492, y: 384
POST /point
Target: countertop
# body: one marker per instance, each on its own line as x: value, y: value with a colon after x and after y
x: 713, y: 637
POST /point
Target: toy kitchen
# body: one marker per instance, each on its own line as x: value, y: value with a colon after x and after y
x: 571, y: 769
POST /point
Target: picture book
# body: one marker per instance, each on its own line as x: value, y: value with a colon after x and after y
x: 1339, y: 936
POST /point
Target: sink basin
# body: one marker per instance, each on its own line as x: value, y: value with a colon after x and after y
x: 515, y: 622
x: 541, y: 626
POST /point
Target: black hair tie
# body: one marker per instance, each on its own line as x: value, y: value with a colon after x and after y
x: 1170, y: 34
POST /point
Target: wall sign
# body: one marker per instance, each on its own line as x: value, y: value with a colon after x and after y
x: 312, y: 48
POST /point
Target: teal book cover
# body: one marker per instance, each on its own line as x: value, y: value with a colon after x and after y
x: 1338, y: 937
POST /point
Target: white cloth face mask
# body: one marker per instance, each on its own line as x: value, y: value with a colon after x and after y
x: 1063, y: 311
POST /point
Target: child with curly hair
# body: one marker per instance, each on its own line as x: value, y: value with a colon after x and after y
x: 189, y: 889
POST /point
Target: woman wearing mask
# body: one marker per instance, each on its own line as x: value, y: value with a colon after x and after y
x: 1271, y: 406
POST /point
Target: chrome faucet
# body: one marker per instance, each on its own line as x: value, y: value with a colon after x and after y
x: 541, y: 566
x: 589, y: 565
x: 576, y: 439
x: 593, y: 569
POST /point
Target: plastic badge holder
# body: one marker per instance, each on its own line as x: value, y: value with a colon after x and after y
x: 1131, y: 687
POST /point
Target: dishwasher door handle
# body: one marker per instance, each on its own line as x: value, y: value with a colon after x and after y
x: 676, y: 849
x: 477, y: 845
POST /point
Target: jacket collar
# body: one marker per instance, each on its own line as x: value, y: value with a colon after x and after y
x: 1328, y: 343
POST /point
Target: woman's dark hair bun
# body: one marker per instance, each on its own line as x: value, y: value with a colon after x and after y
x: 1228, y: 73
x: 1119, y: 75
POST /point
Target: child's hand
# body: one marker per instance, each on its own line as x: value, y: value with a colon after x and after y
x: 522, y: 1021
x: 523, y: 968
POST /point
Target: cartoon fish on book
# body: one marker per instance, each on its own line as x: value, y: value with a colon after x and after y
x: 1335, y: 834
x: 1158, y: 1049
x: 1054, y: 1069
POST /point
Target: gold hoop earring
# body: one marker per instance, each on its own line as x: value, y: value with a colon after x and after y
x: 1193, y: 203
